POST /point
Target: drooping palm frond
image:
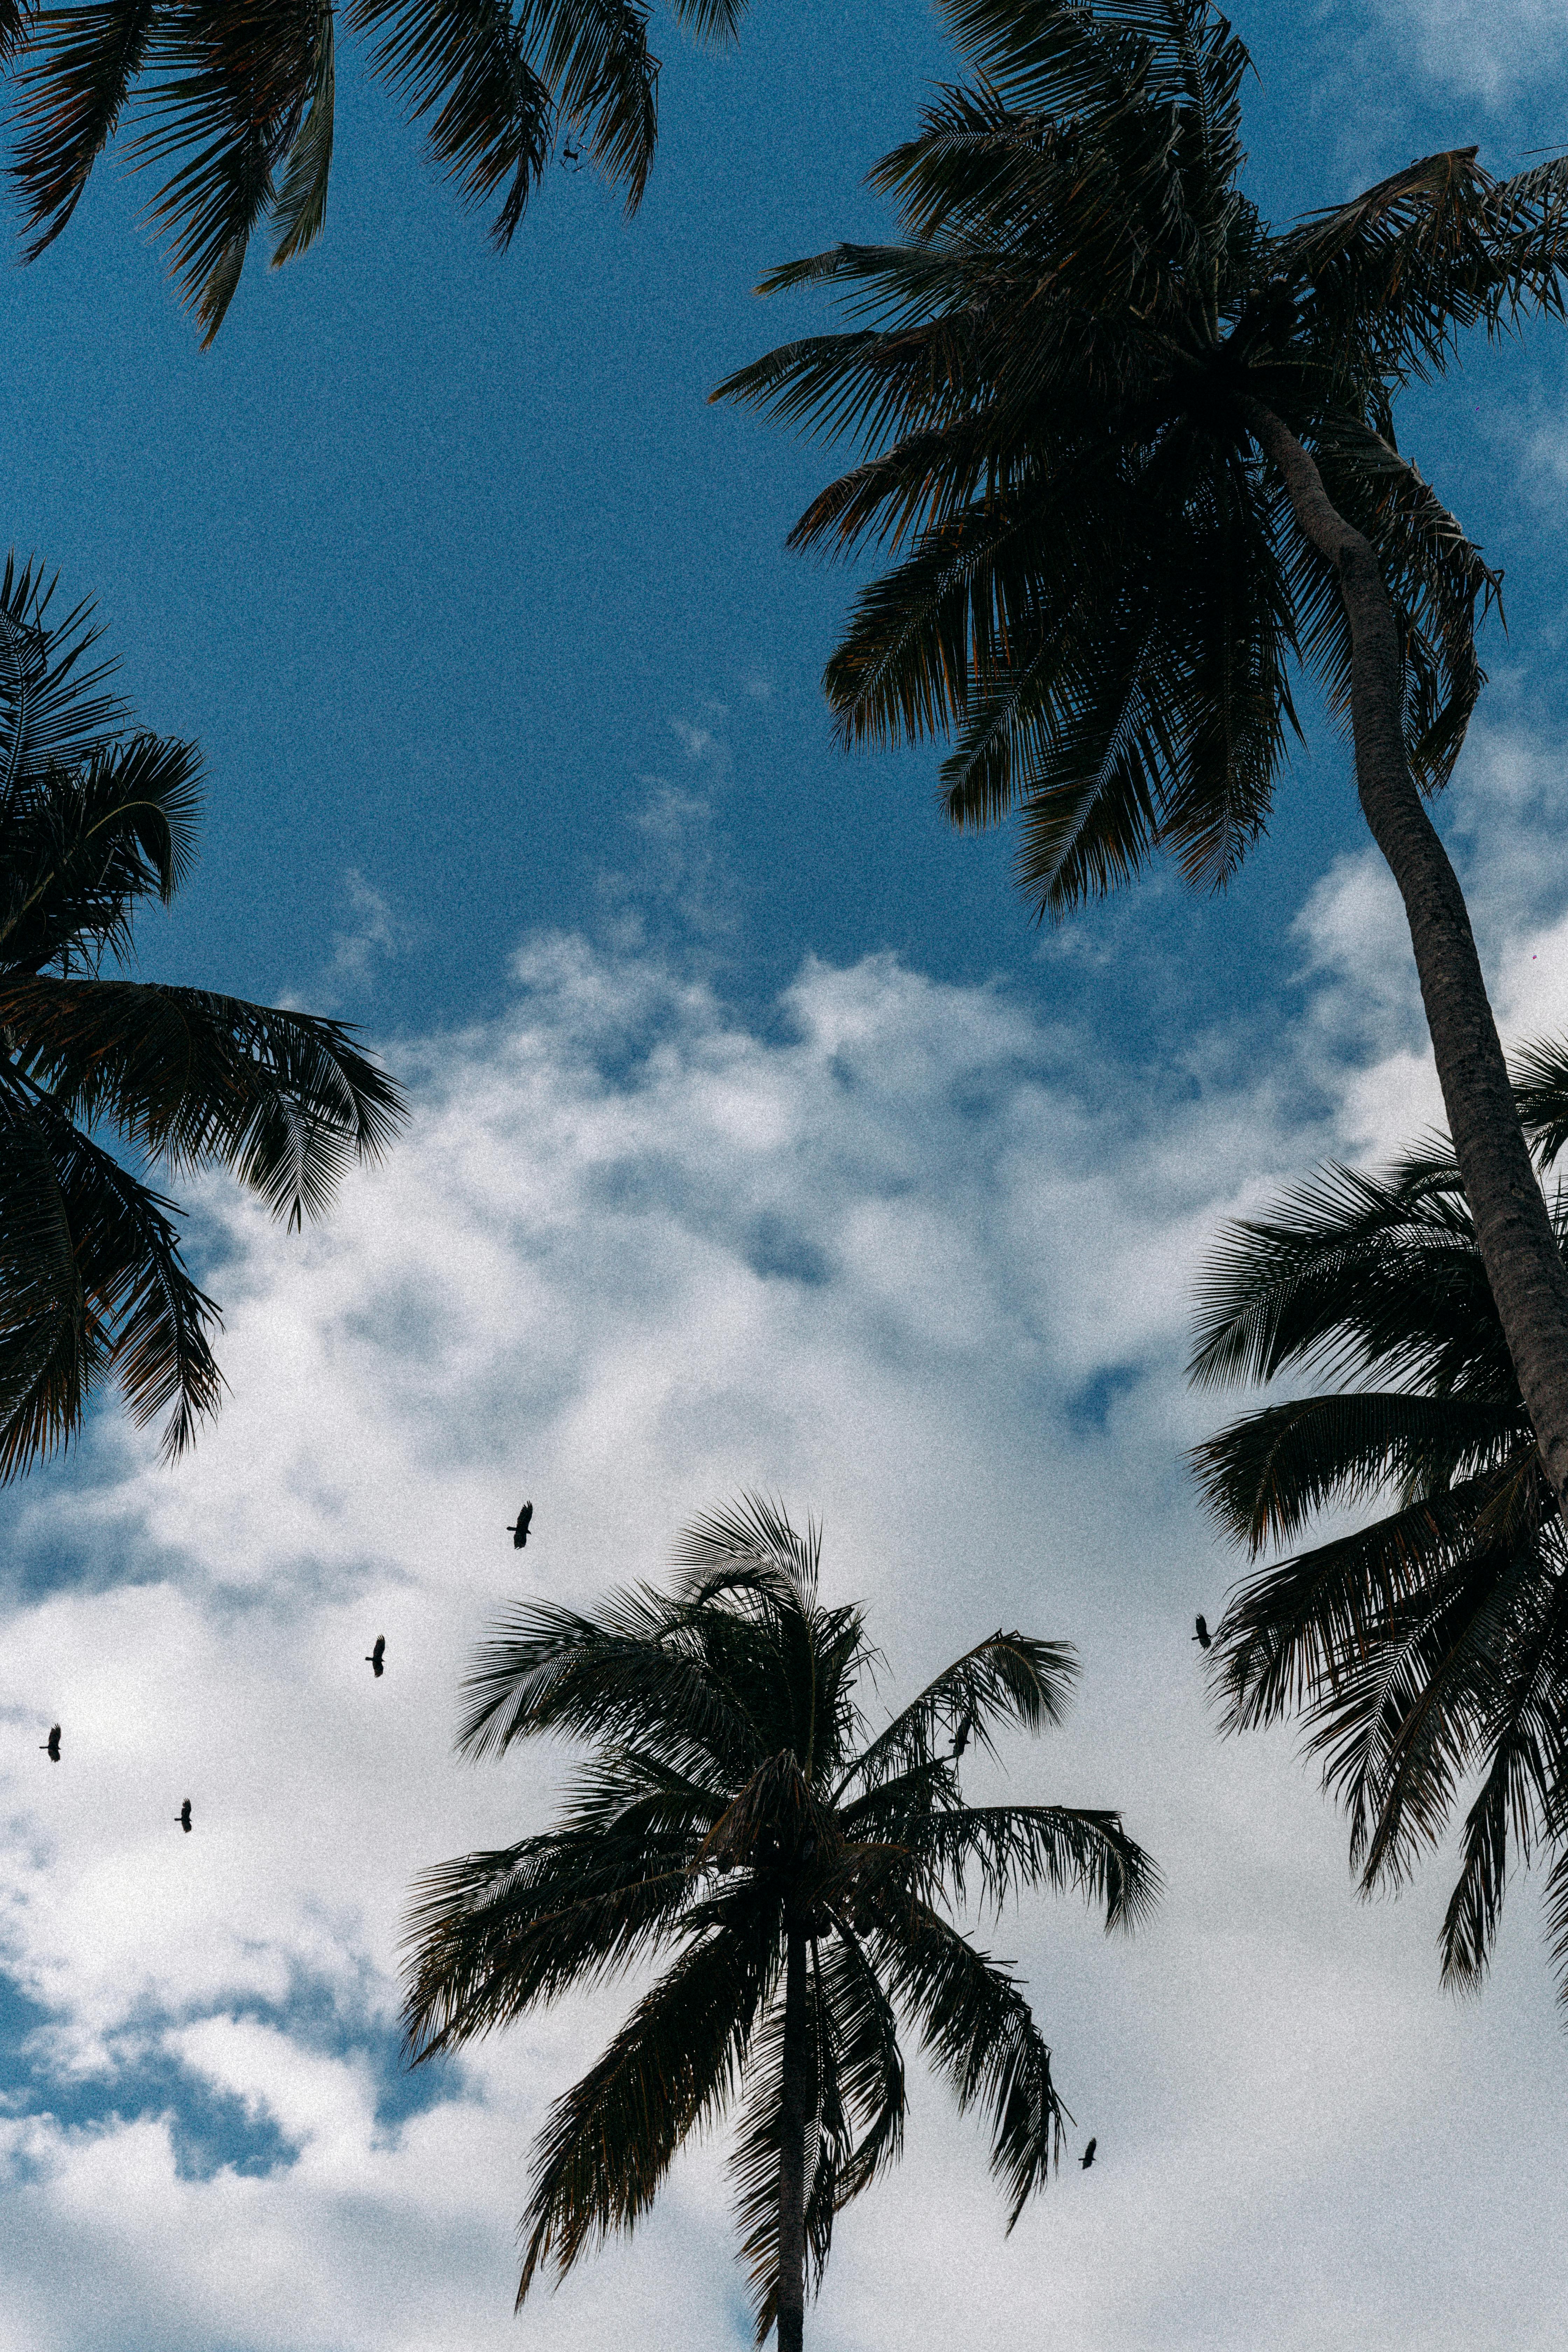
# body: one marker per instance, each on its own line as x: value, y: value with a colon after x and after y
x: 1541, y: 1090
x: 609, y: 2142
x: 1426, y: 1650
x: 72, y: 93
x: 300, y: 209
x: 196, y: 1080
x: 91, y: 1285
x: 734, y: 1819
x: 95, y: 818
x: 238, y: 98
x: 976, y: 2027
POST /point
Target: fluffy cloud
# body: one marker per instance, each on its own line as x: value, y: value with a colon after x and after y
x: 1488, y: 49
x: 908, y: 1256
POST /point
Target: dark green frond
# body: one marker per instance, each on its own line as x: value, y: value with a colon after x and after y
x: 232, y: 81
x: 301, y: 210
x: 976, y: 2027
x: 1541, y: 1091
x: 91, y: 1284
x: 1269, y: 1473
x: 1007, y: 1678
x: 282, y: 1098
x: 1353, y: 1274
x: 730, y: 1548
x: 463, y: 64
x: 54, y: 711
x: 492, y: 1934
x: 71, y: 93
x: 626, y: 1675
x: 609, y: 2142
x: 998, y: 1849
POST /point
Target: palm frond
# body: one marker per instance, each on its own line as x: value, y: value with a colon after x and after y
x: 193, y: 1078
x: 71, y: 93
x: 749, y: 1544
x: 976, y: 2027
x: 464, y: 66
x: 1265, y: 1476
x: 301, y: 209
x: 607, y: 2144
x: 53, y: 710
x: 626, y: 1675
x: 998, y: 1849
x: 1007, y: 1678
x: 492, y: 1934
x: 91, y: 1284
x: 1541, y: 1091
x: 233, y: 80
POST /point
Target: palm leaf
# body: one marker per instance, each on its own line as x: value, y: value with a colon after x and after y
x: 282, y: 1098
x: 608, y: 2143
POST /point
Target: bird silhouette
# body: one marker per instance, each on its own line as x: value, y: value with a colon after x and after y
x: 1087, y: 2158
x: 519, y: 1533
x: 375, y: 1659
x: 183, y: 1816
x: 1203, y: 1637
x: 51, y: 1746
x: 961, y: 1736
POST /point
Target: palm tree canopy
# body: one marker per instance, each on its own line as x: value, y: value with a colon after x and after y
x: 1100, y: 591
x: 1426, y: 1650
x: 237, y: 98
x: 733, y: 1791
x: 92, y: 819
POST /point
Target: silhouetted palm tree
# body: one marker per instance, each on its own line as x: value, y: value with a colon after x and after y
x: 733, y: 1810
x: 1136, y: 450
x: 1427, y: 1650
x: 93, y: 818
x: 239, y: 97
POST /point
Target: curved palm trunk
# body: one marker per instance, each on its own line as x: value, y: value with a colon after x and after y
x: 1524, y: 1266
x: 795, y: 2106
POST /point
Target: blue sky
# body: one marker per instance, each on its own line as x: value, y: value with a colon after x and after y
x: 759, y: 1139
x: 436, y: 551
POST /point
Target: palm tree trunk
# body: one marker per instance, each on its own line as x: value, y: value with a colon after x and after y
x: 1523, y: 1264
x: 795, y: 2112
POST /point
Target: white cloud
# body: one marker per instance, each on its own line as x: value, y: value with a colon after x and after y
x: 1488, y: 49
x: 893, y: 1260
x: 371, y: 933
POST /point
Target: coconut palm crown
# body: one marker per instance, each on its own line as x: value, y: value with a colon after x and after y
x: 97, y: 1068
x: 1425, y: 1648
x: 239, y: 97
x: 735, y: 1821
x: 1132, y: 449
x: 1058, y: 380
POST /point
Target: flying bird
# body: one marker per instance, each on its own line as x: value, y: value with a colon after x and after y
x: 519, y: 1533
x: 183, y: 1816
x: 1087, y: 2158
x: 376, y: 1659
x: 51, y: 1746
x: 1203, y: 1637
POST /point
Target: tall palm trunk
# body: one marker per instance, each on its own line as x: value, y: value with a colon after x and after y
x: 795, y: 2105
x: 1523, y: 1264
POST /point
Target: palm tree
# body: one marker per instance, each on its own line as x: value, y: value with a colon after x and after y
x: 1136, y: 452
x: 1427, y: 1649
x: 93, y: 818
x: 238, y: 96
x: 733, y: 1810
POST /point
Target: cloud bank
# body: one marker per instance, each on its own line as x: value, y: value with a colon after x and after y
x: 913, y: 1257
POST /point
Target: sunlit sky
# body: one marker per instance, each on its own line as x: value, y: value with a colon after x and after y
x: 760, y: 1139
